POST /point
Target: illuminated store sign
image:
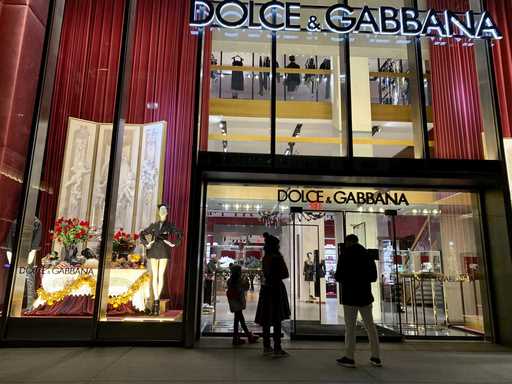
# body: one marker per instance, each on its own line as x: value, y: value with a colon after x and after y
x: 342, y: 19
x: 315, y: 196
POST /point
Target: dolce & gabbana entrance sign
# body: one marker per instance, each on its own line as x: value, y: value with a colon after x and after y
x: 343, y: 19
x: 319, y: 196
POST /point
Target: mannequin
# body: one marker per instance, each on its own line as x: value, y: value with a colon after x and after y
x: 158, y: 250
x: 35, y: 246
x: 309, y: 274
x: 36, y: 240
x: 237, y: 77
x: 293, y: 80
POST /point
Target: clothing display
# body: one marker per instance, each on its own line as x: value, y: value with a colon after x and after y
x: 293, y: 80
x: 158, y: 233
x: 237, y: 77
x: 326, y: 65
x: 309, y: 270
x: 264, y: 79
x: 309, y: 79
x: 37, y: 234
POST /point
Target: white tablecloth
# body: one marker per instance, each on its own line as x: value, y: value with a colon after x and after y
x: 54, y: 280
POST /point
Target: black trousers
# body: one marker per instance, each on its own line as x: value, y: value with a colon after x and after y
x: 240, y: 319
x: 208, y: 290
x: 276, y: 336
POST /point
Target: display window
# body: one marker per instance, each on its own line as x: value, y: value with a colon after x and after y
x: 58, y: 277
x: 23, y: 27
x: 360, y: 94
x: 143, y: 178
x: 427, y: 248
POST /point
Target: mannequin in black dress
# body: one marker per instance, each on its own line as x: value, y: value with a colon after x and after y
x: 158, y: 250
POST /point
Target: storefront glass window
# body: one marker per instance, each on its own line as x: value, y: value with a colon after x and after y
x: 22, y: 27
x: 57, y: 270
x: 426, y: 245
x: 461, y: 121
x: 310, y: 102
x: 382, y: 122
x: 145, y: 273
x: 239, y: 92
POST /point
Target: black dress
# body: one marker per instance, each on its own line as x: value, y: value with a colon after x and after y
x: 273, y: 305
x: 292, y: 79
x: 158, y: 232
x: 237, y: 77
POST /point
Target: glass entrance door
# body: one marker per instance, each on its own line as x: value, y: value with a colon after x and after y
x: 318, y: 236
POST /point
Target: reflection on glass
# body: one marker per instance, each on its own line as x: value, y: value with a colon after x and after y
x: 57, y: 268
x: 20, y: 61
x: 309, y: 95
x: 382, y: 120
x: 431, y: 280
x: 240, y: 91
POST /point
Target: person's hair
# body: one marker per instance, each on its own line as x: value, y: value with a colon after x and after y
x: 271, y: 243
x: 163, y: 205
x: 236, y: 272
x: 352, y: 239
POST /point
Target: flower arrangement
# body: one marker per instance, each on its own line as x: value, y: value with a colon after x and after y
x: 71, y: 232
x: 124, y: 241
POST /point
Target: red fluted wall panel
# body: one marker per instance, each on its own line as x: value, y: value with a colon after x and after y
x: 164, y: 70
x: 501, y: 11
x: 455, y: 95
x: 85, y: 86
x: 22, y: 30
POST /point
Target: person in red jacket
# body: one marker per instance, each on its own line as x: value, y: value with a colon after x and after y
x: 355, y: 272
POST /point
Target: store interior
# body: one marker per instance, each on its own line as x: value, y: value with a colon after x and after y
x: 431, y: 285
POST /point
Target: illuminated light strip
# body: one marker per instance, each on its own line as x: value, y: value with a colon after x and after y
x: 311, y: 140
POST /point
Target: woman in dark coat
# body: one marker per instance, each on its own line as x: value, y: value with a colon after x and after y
x: 273, y: 304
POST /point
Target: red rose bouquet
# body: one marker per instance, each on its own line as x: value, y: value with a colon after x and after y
x: 124, y: 242
x: 71, y: 232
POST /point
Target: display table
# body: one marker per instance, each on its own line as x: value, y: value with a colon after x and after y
x: 132, y: 283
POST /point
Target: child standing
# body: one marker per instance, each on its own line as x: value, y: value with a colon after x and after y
x: 237, y: 288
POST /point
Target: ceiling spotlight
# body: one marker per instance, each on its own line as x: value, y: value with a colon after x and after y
x: 237, y: 206
x: 426, y: 212
x: 415, y: 211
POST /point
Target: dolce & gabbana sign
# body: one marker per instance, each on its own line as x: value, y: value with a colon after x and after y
x: 342, y: 19
x: 319, y: 196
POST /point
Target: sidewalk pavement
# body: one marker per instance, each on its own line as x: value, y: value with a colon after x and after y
x: 215, y: 361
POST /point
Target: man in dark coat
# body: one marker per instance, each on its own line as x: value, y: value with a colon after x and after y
x: 355, y: 272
